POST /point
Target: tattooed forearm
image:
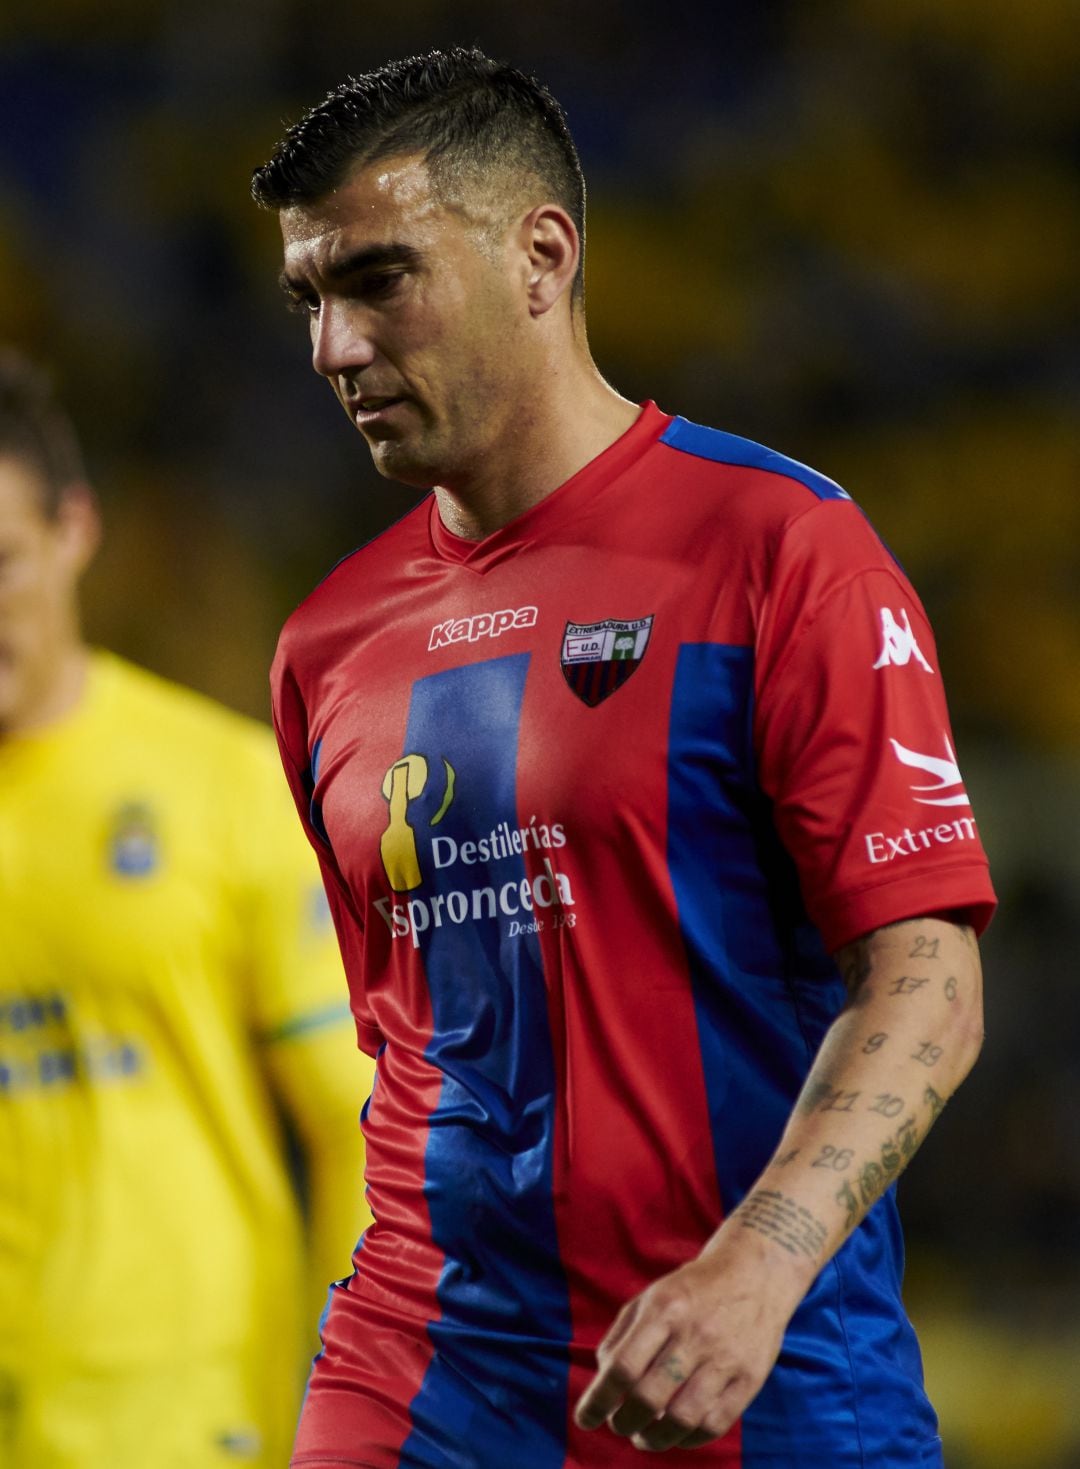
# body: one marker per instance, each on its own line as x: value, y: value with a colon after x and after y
x: 784, y: 1220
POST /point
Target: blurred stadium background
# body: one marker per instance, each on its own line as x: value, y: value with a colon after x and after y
x: 847, y: 227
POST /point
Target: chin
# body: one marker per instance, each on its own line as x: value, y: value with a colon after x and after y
x: 393, y: 461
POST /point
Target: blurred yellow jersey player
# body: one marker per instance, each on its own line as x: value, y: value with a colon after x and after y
x: 170, y: 988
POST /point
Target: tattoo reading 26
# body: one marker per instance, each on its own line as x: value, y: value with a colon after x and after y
x: 875, y: 1043
x: 924, y: 948
x: 906, y: 985
x: 836, y: 1158
x: 782, y: 1219
x: 928, y: 1054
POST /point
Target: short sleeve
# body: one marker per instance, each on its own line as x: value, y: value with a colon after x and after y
x: 853, y: 739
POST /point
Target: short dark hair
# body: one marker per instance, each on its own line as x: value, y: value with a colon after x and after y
x: 35, y: 428
x: 460, y: 109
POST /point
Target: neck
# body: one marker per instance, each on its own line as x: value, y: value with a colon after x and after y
x: 53, y: 698
x: 547, y: 440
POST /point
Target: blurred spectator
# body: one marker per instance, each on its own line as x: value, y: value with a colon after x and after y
x: 169, y: 978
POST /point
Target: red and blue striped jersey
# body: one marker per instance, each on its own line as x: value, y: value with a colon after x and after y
x: 595, y: 798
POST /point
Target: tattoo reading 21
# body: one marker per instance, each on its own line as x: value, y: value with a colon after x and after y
x: 924, y: 948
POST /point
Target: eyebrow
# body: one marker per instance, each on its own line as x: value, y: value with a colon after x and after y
x: 369, y: 257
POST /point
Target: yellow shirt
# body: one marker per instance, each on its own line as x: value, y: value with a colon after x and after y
x: 162, y: 928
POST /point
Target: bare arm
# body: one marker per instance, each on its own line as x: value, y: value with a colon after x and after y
x: 683, y: 1360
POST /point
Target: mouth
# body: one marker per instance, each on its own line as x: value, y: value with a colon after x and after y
x: 372, y: 410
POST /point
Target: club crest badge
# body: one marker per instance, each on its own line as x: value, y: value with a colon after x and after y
x: 598, y: 657
x: 133, y: 846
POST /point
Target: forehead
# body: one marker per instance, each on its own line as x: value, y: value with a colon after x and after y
x: 387, y: 203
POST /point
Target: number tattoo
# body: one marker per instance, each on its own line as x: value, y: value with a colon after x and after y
x: 887, y: 1105
x: 905, y: 984
x: 835, y: 1158
x: 928, y: 1054
x: 950, y: 988
x: 924, y: 948
x: 839, y: 1101
x: 875, y: 1043
x: 788, y: 1158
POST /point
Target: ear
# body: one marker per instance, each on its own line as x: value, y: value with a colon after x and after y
x: 551, y: 243
x: 78, y: 526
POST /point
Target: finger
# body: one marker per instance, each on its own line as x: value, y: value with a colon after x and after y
x: 652, y: 1394
x: 620, y: 1369
x: 700, y: 1414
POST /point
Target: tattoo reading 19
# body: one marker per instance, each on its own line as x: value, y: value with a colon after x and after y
x: 905, y: 984
x: 875, y: 1043
x: 782, y: 1219
x: 924, y: 948
x: 928, y: 1054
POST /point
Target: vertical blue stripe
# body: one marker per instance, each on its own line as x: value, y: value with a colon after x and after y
x: 847, y: 1385
x: 497, y: 1384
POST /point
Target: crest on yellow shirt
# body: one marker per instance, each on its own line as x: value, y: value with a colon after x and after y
x: 134, y: 848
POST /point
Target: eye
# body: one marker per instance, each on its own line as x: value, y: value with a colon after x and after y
x: 302, y: 305
x: 381, y: 284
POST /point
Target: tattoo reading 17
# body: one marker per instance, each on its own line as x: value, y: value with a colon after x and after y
x: 906, y: 985
x: 835, y: 1158
x: 928, y: 1054
x: 875, y: 1043
x: 924, y: 948
x: 782, y: 1219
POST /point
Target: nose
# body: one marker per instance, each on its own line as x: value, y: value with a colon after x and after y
x: 340, y: 339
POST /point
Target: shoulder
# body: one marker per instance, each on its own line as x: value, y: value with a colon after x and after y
x: 733, y: 454
x: 172, y: 714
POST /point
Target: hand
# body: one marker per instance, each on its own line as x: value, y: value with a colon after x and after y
x: 684, y: 1359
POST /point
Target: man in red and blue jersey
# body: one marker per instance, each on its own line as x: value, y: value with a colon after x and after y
x: 627, y: 760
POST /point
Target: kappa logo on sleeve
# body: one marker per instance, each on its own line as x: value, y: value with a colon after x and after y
x: 898, y: 645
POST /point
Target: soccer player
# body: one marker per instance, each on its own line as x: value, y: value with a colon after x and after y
x: 626, y: 757
x: 167, y: 984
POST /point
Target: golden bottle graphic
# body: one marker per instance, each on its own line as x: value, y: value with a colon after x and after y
x: 404, y: 782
